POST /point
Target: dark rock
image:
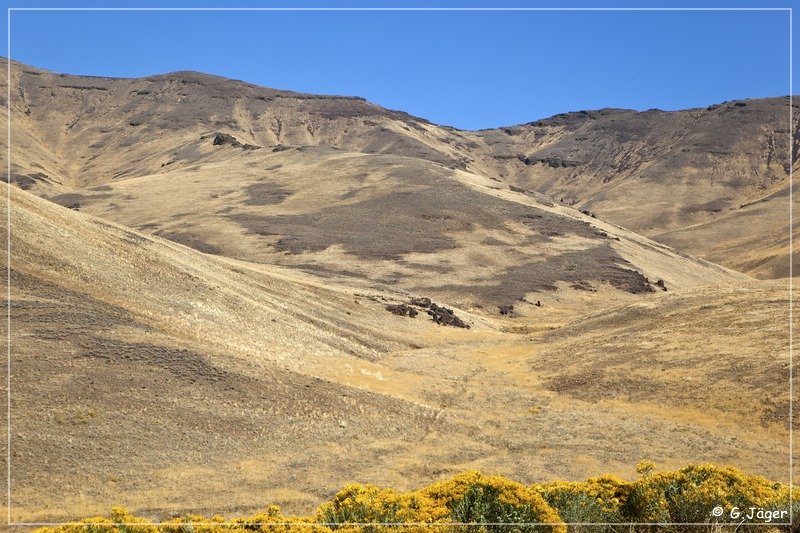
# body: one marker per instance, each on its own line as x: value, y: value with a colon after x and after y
x: 506, y: 309
x: 553, y: 162
x: 445, y: 317
x: 225, y: 138
x: 421, y: 302
x: 402, y: 310
x: 642, y: 288
x: 660, y: 283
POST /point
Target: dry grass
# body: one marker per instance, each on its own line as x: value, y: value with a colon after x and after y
x: 687, y: 178
x: 154, y: 376
x: 149, y: 374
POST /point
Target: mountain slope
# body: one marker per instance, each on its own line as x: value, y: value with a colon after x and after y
x: 310, y: 191
x: 89, y: 124
x: 398, y: 221
x: 150, y: 375
x: 684, y: 178
x: 203, y: 274
x: 137, y: 360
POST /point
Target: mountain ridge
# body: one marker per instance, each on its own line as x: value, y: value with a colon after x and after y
x: 564, y: 114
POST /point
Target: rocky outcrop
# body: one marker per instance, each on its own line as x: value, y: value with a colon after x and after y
x: 221, y: 139
x: 421, y: 302
x: 506, y: 310
x: 402, y: 310
x: 445, y: 317
x: 439, y: 314
x: 554, y: 162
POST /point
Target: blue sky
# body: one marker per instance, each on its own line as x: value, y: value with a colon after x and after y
x: 466, y: 69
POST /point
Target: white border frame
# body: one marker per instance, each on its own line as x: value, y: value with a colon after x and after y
x: 789, y: 10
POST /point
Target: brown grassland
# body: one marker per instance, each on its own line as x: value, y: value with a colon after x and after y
x: 203, y: 273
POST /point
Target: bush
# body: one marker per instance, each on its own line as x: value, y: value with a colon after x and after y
x: 474, y: 498
x: 481, y: 506
x: 365, y: 504
x: 497, y: 505
x: 595, y: 501
x: 689, y: 495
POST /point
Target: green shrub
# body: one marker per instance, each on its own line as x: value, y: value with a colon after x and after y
x: 481, y: 506
x: 361, y: 504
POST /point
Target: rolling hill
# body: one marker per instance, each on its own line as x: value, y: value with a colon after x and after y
x: 687, y: 179
x: 225, y: 295
x: 143, y: 369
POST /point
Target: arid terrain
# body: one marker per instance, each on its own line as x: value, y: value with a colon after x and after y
x: 224, y: 295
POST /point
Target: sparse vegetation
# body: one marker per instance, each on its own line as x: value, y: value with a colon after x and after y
x: 208, y: 323
x: 473, y: 502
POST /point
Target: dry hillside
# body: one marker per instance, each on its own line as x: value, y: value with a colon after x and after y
x: 152, y: 375
x: 689, y: 179
x: 218, y: 294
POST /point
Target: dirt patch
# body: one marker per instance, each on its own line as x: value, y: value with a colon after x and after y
x: 76, y: 200
x: 379, y: 228
x: 266, y: 193
x: 47, y: 316
x: 424, y: 215
x: 185, y: 365
x: 598, y: 264
x: 419, y: 218
x: 27, y: 181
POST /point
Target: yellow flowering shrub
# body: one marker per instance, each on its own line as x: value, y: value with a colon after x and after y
x: 272, y: 520
x: 472, y: 502
x: 472, y: 497
x: 120, y: 521
x: 360, y: 504
x: 645, y: 467
x: 597, y: 500
x: 193, y: 524
x: 689, y: 495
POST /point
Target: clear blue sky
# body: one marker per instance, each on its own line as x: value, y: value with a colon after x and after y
x: 466, y: 69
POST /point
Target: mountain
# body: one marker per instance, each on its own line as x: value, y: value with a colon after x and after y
x: 688, y: 179
x: 336, y: 186
x: 224, y: 296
